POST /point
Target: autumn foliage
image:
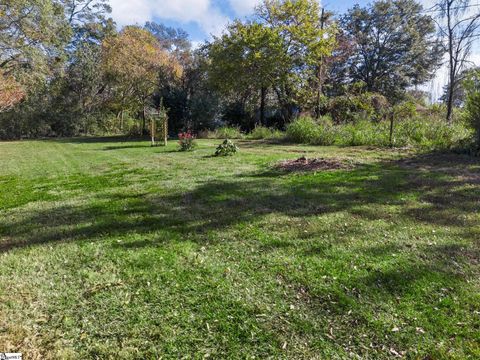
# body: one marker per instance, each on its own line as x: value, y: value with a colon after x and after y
x: 11, y: 92
x: 133, y: 60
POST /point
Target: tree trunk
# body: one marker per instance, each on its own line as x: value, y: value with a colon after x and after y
x: 320, y: 73
x: 121, y: 120
x: 144, y: 120
x: 319, y: 91
x: 452, y: 65
x: 263, y: 94
x: 451, y: 89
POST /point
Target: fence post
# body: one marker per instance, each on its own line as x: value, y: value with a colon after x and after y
x: 152, y: 129
x: 392, y: 119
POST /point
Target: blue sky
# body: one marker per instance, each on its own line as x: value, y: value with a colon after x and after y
x: 200, y: 18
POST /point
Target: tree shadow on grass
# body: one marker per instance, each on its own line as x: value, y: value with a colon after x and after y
x: 100, y: 140
x: 110, y: 148
x: 445, y: 196
x: 422, y: 193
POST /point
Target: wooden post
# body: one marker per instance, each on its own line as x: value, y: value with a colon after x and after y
x: 152, y: 129
x: 392, y: 119
x: 165, y: 131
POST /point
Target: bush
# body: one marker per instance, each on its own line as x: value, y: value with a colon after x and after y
x: 472, y: 110
x: 405, y: 110
x: 227, y: 148
x: 262, y: 132
x: 350, y: 108
x: 186, y: 140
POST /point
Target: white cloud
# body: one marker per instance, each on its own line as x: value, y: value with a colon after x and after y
x: 244, y: 7
x: 203, y: 12
x: 131, y: 12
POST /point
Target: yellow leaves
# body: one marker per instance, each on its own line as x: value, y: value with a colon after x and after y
x: 135, y: 55
x: 134, y: 64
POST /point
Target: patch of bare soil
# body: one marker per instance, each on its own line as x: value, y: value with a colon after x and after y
x: 306, y: 164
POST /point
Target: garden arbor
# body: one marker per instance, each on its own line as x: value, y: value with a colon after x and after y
x: 159, y: 126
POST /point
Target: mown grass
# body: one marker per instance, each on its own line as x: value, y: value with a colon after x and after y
x: 112, y: 249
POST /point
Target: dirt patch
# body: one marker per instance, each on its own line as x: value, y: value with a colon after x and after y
x: 306, y: 164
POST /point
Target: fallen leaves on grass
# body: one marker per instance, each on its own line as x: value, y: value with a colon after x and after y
x: 316, y: 164
x: 100, y: 287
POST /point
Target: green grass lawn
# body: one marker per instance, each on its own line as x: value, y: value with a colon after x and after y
x: 112, y: 249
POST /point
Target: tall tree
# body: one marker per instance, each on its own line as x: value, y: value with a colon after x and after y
x: 132, y: 61
x: 280, y: 50
x: 32, y: 36
x: 174, y: 92
x: 459, y: 24
x: 307, y: 39
x: 395, y: 46
x: 247, y: 60
x: 81, y: 91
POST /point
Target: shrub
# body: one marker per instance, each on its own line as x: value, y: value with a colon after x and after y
x: 227, y: 148
x: 350, y: 108
x: 468, y: 146
x: 472, y: 109
x: 405, y: 110
x: 186, y: 140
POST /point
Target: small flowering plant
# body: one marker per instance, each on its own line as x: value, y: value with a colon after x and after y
x: 227, y: 148
x: 186, y: 140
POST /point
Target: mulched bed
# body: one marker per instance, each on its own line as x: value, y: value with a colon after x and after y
x: 306, y: 164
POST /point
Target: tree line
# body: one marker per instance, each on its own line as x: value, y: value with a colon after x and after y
x: 66, y: 70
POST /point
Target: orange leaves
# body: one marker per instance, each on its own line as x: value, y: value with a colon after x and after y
x: 11, y: 92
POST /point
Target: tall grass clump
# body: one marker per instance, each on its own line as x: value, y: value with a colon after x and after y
x: 228, y: 132
x: 262, y: 132
x: 362, y: 132
x: 430, y: 133
x: 304, y: 130
x: 224, y: 132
